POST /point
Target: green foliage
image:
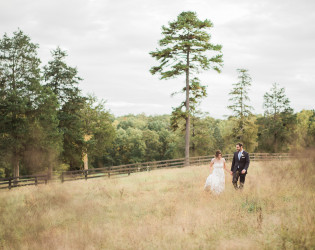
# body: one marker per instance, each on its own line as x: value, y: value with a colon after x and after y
x: 203, y: 135
x: 142, y: 138
x: 71, y: 126
x: 152, y: 145
x: 276, y: 130
x: 46, y: 123
x: 305, y: 128
x: 197, y: 92
x: 62, y: 80
x: 28, y: 125
x: 276, y: 102
x: 249, y: 137
x: 186, y: 37
x: 239, y: 96
x: 98, y: 130
x: 226, y: 130
x: 129, y: 146
x: 44, y: 143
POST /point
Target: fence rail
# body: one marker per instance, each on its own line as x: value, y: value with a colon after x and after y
x: 127, y: 169
x: 25, y: 180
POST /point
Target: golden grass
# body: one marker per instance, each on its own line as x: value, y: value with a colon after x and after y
x: 165, y: 209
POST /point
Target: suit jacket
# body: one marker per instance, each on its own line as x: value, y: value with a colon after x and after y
x: 243, y: 163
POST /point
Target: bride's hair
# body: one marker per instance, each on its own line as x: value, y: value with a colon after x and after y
x: 217, y: 153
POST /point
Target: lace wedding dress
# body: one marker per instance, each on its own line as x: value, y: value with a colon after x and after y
x: 216, y: 180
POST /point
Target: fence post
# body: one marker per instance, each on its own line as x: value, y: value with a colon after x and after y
x: 10, y: 182
x: 62, y: 177
x: 109, y: 172
x: 85, y: 174
x: 15, y: 181
x: 46, y: 179
x: 35, y: 180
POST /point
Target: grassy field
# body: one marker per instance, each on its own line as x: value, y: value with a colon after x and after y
x: 166, y: 209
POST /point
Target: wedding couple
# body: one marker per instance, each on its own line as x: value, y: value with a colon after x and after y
x: 240, y: 163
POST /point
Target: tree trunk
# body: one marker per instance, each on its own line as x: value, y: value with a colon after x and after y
x: 193, y: 146
x: 241, y: 129
x: 188, y: 115
x: 85, y: 161
x: 16, y: 166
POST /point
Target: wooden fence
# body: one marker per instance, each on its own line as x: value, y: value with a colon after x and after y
x: 24, y: 180
x: 126, y: 170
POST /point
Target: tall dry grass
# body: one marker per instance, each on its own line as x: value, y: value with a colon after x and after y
x: 166, y: 209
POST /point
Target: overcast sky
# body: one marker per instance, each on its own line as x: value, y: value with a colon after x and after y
x: 109, y: 42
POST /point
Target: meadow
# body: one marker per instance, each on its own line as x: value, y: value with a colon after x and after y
x: 166, y: 209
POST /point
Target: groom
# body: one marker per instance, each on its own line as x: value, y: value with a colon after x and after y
x: 239, y: 166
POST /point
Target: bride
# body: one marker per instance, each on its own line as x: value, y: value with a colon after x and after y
x: 216, y: 180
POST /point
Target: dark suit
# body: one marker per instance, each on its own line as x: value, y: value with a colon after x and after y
x: 237, y: 166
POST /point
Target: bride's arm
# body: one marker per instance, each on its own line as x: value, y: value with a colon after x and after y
x: 211, y: 164
x: 224, y: 166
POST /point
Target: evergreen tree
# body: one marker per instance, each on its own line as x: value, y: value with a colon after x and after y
x: 63, y: 80
x: 276, y: 102
x: 72, y: 128
x: 278, y: 124
x: 182, y: 51
x: 239, y: 98
x: 197, y: 92
x: 20, y: 85
x: 244, y: 126
x: 44, y: 142
x: 218, y: 139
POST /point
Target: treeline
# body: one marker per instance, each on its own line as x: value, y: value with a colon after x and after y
x: 148, y: 138
x: 46, y: 123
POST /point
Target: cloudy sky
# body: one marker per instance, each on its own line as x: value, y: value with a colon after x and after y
x: 109, y: 42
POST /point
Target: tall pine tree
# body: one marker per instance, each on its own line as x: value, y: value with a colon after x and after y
x: 183, y: 51
x: 239, y: 98
x: 244, y: 127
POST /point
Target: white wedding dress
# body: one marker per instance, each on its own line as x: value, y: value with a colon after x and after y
x: 216, y: 180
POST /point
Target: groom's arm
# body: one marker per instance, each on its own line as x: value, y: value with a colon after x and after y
x: 247, y: 161
x: 233, y: 162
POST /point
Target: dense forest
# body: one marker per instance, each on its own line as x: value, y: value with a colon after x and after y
x: 47, y: 123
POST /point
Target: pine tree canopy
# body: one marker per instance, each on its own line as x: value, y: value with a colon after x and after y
x: 186, y: 39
